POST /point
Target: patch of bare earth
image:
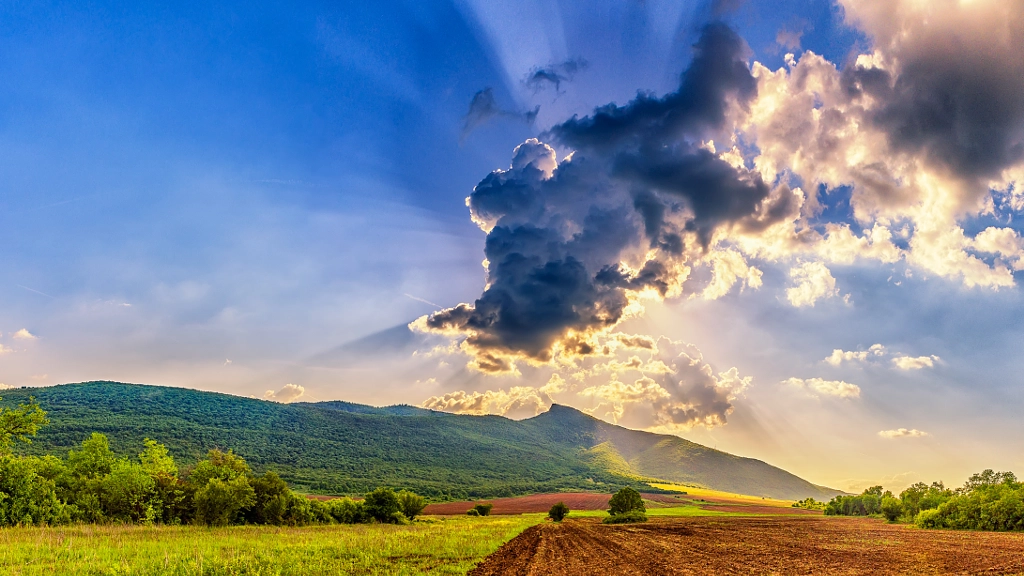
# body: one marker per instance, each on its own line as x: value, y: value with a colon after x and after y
x: 752, y: 545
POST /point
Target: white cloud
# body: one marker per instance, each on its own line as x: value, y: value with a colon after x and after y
x: 5, y: 386
x: 24, y: 334
x: 819, y: 386
x: 517, y: 401
x: 839, y: 356
x: 289, y: 393
x: 813, y: 282
x: 5, y: 349
x: 911, y: 363
x: 902, y: 433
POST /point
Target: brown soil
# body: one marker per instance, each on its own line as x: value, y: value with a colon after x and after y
x: 752, y: 545
x: 527, y: 504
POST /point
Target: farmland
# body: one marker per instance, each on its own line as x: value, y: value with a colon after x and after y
x: 438, y: 546
x: 753, y: 545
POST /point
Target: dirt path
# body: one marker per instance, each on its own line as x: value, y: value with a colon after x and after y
x: 778, y: 545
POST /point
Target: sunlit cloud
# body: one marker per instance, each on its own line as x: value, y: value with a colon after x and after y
x: 288, y: 393
x: 24, y: 334
x: 912, y: 363
x: 819, y: 386
x: 839, y: 356
x: 902, y: 433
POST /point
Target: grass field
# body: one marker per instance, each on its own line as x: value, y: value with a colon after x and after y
x: 694, y: 493
x: 438, y: 546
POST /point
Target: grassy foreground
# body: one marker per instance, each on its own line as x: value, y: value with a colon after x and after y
x: 439, y: 546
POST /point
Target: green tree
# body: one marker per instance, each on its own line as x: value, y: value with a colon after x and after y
x: 410, y: 503
x: 94, y: 460
x: 483, y: 509
x: 382, y: 505
x: 20, y: 423
x: 626, y: 500
x: 127, y: 494
x: 272, y: 500
x: 891, y: 508
x: 221, y: 502
x: 558, y: 512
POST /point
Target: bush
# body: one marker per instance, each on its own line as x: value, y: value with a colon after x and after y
x: 892, y: 508
x: 411, y: 504
x: 483, y: 509
x: 558, y: 512
x: 472, y: 512
x: 221, y: 502
x: 626, y: 500
x: 626, y: 517
x: 381, y: 505
x: 347, y: 511
x: 929, y: 519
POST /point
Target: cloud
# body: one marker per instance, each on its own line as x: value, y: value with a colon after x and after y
x: 483, y: 108
x: 902, y: 433
x: 5, y: 386
x: 911, y: 363
x: 518, y: 400
x: 5, y: 349
x: 819, y: 386
x: 813, y: 282
x: 554, y: 74
x: 839, y: 356
x: 24, y: 334
x: 289, y: 393
x: 876, y: 351
x: 573, y: 247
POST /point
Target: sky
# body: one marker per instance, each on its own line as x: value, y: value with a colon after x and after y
x: 785, y: 229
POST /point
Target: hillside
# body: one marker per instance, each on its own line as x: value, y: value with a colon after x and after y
x: 647, y: 455
x: 340, y: 447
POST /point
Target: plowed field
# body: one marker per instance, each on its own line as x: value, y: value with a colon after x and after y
x: 751, y: 545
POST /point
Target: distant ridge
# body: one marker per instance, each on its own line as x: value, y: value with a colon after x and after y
x: 340, y: 447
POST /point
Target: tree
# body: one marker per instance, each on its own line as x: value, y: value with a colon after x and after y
x: 626, y: 500
x: 626, y: 506
x: 483, y: 509
x: 411, y: 504
x: 382, y: 505
x: 20, y: 423
x: 220, y: 502
x: 558, y: 512
x: 892, y: 508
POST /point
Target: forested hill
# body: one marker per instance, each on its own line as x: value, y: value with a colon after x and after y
x: 339, y: 447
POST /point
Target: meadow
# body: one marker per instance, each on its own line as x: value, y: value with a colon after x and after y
x: 436, y: 545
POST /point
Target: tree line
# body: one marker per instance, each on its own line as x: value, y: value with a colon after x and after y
x: 92, y: 484
x: 987, y: 501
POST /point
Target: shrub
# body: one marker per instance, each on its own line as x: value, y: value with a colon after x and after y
x: 892, y: 508
x: 221, y: 502
x: 483, y: 509
x: 626, y: 517
x: 346, y: 511
x: 930, y: 518
x: 626, y: 500
x: 472, y: 512
x: 411, y: 504
x: 381, y: 505
x: 558, y: 512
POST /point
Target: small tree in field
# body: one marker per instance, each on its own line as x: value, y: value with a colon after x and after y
x: 626, y: 506
x: 483, y: 509
x: 558, y: 512
x: 626, y: 500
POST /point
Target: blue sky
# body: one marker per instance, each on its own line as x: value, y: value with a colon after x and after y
x: 235, y: 198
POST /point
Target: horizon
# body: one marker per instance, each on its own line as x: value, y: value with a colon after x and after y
x: 786, y: 230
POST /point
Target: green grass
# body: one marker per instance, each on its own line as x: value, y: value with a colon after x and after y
x: 437, y: 546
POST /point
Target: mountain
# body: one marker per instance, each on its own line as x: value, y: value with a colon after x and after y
x: 340, y: 447
x: 656, y: 456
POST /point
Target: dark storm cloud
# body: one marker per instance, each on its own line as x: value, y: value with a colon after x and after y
x: 959, y: 104
x: 554, y: 75
x: 483, y: 108
x: 639, y: 179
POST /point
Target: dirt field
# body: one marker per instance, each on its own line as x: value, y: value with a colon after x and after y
x: 588, y: 501
x: 751, y: 545
x: 526, y: 504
